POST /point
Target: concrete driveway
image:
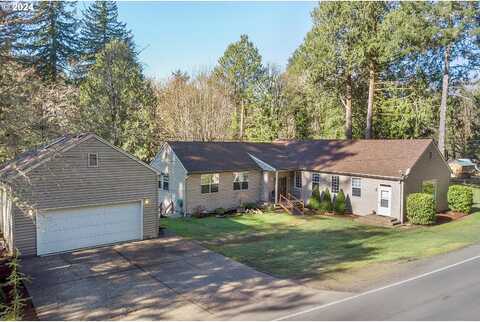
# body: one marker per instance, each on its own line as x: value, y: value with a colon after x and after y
x: 166, y: 278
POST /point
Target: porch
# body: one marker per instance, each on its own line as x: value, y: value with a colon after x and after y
x: 284, y: 189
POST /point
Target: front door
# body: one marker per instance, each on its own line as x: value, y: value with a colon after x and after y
x: 282, y: 186
x: 384, y: 200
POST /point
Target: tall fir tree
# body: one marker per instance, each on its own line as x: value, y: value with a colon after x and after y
x: 117, y: 102
x: 52, y: 38
x: 453, y: 41
x: 100, y: 25
x: 239, y: 69
x: 12, y: 31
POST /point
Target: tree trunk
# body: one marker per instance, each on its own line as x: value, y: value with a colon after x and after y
x: 348, y: 109
x: 371, y: 93
x: 242, y: 114
x: 443, y: 103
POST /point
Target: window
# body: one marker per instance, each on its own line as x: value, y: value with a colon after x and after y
x: 315, y: 181
x: 298, y: 179
x: 240, y: 180
x: 356, y: 187
x: 209, y: 182
x: 163, y: 183
x: 93, y: 160
x: 430, y: 187
x: 335, y: 184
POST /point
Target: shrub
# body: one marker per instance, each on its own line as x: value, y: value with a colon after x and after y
x: 220, y: 211
x: 313, y: 203
x: 250, y: 205
x: 421, y: 208
x: 326, y: 201
x: 340, y: 203
x: 315, y: 199
x: 460, y: 198
x: 199, y: 212
x: 15, y: 281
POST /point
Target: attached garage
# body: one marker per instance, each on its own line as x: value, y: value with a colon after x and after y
x: 77, y: 192
x: 74, y: 228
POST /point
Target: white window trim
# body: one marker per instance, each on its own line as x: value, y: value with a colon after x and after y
x: 313, y: 175
x: 162, y: 181
x: 351, y: 186
x: 211, y: 182
x: 297, y: 174
x: 240, y: 177
x: 331, y: 184
x: 88, y: 160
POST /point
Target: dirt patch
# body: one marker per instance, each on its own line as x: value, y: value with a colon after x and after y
x: 29, y: 313
x: 449, y: 216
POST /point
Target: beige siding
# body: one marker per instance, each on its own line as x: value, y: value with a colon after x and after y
x: 427, y: 168
x: 167, y: 162
x: 364, y: 205
x: 66, y: 181
x: 226, y: 197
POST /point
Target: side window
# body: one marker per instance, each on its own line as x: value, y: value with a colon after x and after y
x: 163, y: 183
x: 335, y: 184
x: 209, y: 182
x: 166, y: 179
x: 298, y: 179
x: 93, y: 160
x: 315, y: 181
x: 430, y: 187
x: 356, y: 187
x: 240, y: 180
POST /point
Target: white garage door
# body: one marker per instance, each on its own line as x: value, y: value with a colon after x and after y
x: 67, y: 229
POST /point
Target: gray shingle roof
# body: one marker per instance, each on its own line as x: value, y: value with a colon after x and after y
x: 29, y: 159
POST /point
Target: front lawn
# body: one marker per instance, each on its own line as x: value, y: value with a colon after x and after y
x: 288, y: 246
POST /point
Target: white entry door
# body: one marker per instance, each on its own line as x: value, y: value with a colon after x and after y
x: 384, y: 200
x: 73, y: 228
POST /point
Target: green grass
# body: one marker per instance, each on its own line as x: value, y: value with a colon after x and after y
x: 288, y: 246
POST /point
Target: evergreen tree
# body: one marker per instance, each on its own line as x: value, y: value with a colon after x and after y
x: 52, y: 42
x: 117, y: 102
x: 328, y: 56
x: 454, y: 31
x: 12, y: 31
x: 239, y: 69
x: 100, y: 25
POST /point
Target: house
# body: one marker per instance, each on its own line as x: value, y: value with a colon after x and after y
x: 375, y: 175
x: 78, y: 191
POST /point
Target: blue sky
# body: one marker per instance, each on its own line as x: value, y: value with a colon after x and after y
x: 192, y: 35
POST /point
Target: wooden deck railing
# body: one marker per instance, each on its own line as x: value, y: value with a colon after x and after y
x: 291, y: 204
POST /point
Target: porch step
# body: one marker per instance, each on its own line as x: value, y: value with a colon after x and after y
x: 377, y: 220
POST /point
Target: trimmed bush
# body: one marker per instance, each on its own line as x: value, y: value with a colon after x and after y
x: 220, y: 211
x: 313, y: 203
x: 314, y: 200
x: 326, y: 201
x: 340, y: 203
x: 460, y: 198
x: 421, y: 209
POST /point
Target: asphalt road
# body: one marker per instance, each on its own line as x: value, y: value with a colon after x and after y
x: 447, y: 288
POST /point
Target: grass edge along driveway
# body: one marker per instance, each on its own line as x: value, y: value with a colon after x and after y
x: 295, y: 247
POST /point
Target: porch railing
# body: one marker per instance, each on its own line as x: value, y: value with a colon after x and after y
x: 291, y: 204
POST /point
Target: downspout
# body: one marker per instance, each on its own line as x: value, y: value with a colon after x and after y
x: 402, y: 195
x: 185, y: 196
x: 402, y: 201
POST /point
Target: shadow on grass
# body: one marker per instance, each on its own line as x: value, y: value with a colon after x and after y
x: 298, y: 251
